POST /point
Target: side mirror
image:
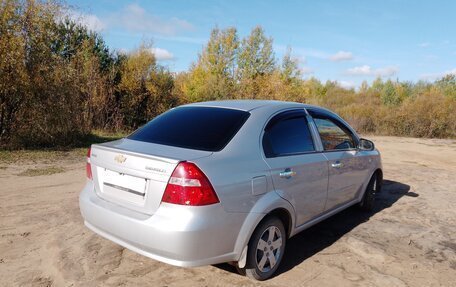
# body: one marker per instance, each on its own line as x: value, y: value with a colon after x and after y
x: 365, y: 144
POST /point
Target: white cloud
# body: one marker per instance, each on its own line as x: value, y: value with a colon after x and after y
x: 135, y: 18
x: 190, y: 40
x: 301, y: 59
x: 424, y: 44
x: 306, y: 70
x: 305, y: 53
x: 386, y: 71
x: 302, y: 52
x: 341, y: 56
x: 162, y: 54
x: 366, y: 70
x: 346, y: 84
x: 361, y: 70
x: 122, y: 51
x: 91, y: 21
x: 431, y: 57
x: 313, y: 53
x: 434, y: 76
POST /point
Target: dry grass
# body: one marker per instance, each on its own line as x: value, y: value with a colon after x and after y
x: 42, y: 171
x: 44, y: 156
x: 55, y: 155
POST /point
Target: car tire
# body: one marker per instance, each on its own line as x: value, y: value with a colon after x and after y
x: 373, y: 187
x: 265, y: 250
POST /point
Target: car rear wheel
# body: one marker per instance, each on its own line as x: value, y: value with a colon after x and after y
x: 266, y: 249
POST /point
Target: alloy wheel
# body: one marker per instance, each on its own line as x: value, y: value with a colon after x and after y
x: 269, y: 249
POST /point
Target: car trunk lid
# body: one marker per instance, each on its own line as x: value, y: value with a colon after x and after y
x: 134, y: 174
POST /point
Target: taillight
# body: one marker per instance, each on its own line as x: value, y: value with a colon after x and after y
x: 88, y: 166
x: 188, y: 185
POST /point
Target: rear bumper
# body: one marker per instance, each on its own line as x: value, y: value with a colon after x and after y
x: 178, y: 235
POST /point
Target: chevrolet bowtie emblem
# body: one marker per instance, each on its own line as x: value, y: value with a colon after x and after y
x: 120, y: 158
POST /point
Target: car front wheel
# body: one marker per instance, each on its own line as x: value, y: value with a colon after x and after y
x: 266, y: 249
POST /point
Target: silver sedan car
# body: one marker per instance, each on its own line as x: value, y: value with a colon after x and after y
x: 227, y: 181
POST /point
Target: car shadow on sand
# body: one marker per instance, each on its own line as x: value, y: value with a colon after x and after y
x: 316, y: 238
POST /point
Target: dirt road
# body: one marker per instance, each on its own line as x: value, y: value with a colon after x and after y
x: 410, y: 239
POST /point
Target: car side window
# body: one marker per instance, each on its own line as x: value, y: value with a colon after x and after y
x: 287, y: 134
x: 333, y: 134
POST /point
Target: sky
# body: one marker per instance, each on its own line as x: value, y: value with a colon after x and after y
x: 344, y: 41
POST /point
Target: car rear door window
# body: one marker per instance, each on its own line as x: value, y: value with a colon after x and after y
x: 199, y: 128
x: 287, y: 134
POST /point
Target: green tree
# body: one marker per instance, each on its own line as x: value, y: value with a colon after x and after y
x: 213, y: 75
x: 145, y: 88
x: 256, y: 61
x: 290, y: 67
x: 256, y: 56
x: 70, y: 38
x: 39, y: 105
x: 447, y: 85
x: 389, y: 95
x: 219, y: 56
x: 14, y: 81
x: 54, y: 75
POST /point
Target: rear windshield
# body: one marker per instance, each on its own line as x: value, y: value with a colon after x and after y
x: 200, y: 128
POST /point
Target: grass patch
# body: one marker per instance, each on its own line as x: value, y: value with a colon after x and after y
x: 99, y: 136
x: 41, y: 171
x: 52, y: 155
x: 44, y: 155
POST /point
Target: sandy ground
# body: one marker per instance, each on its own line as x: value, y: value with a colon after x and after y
x: 409, y: 240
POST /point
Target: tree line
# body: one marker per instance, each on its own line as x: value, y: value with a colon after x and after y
x: 59, y: 81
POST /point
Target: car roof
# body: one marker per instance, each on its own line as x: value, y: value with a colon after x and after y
x: 249, y: 105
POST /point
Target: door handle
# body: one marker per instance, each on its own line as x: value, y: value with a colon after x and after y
x: 337, y: 164
x: 287, y: 173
